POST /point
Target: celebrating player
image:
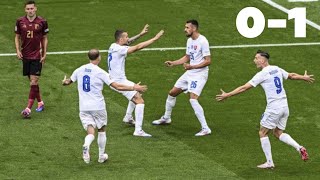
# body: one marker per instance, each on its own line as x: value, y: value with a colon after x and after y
x: 277, y: 112
x: 92, y: 105
x: 117, y: 54
x: 195, y: 77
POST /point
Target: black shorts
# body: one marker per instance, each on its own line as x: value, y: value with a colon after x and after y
x: 32, y: 67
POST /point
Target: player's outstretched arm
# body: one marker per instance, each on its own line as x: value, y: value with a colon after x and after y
x: 135, y: 87
x: 66, y: 81
x: 305, y: 77
x: 142, y: 33
x: 238, y: 90
x: 144, y: 44
x: 180, y: 61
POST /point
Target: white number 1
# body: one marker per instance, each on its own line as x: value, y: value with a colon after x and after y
x: 299, y: 16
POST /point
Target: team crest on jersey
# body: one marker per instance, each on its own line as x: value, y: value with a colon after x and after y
x: 24, y: 26
x: 195, y: 47
x: 36, y: 26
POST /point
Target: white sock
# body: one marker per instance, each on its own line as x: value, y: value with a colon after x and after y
x: 130, y: 109
x: 198, y: 110
x: 88, y: 140
x: 286, y: 138
x: 139, y: 116
x: 102, y: 140
x: 266, y: 147
x: 170, y: 103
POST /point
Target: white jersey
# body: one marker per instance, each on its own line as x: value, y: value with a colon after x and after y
x: 197, y: 50
x: 271, y: 80
x: 116, y: 61
x: 91, y: 79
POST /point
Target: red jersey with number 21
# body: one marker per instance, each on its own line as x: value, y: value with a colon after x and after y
x: 31, y: 35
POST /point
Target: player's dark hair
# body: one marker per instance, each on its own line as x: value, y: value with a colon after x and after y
x: 118, y: 34
x: 193, y: 22
x: 263, y: 53
x: 93, y: 54
x: 30, y: 2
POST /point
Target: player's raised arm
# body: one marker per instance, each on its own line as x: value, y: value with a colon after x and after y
x: 238, y: 90
x: 142, y: 33
x: 305, y: 77
x: 144, y: 44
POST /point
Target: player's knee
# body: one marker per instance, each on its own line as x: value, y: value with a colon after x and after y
x: 194, y: 96
x: 171, y: 93
x: 90, y: 129
x: 102, y: 129
x: 138, y: 99
x: 174, y: 92
x: 33, y: 83
x: 277, y: 133
x: 262, y: 134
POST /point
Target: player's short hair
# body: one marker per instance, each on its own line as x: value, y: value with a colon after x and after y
x: 93, y: 54
x: 193, y: 22
x: 118, y: 34
x: 29, y: 2
x: 264, y: 54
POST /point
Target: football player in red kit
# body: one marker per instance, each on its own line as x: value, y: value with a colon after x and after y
x: 31, y: 45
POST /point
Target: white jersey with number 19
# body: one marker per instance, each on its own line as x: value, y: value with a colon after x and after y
x: 271, y: 80
x: 91, y: 79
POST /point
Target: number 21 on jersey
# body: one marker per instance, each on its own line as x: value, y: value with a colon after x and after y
x: 29, y: 34
x: 86, y: 83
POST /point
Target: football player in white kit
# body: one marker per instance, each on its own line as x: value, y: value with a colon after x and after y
x: 93, y: 114
x: 276, y: 113
x: 195, y: 77
x: 117, y: 54
x: 128, y: 118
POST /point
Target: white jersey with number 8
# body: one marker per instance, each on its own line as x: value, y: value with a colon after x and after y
x: 91, y: 79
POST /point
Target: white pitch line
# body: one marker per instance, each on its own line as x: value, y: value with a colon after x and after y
x: 183, y: 48
x: 283, y: 9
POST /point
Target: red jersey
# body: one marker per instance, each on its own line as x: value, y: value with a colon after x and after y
x: 31, y: 36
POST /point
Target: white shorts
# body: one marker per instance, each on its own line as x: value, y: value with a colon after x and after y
x: 95, y: 118
x: 191, y: 83
x: 128, y: 94
x: 273, y: 118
